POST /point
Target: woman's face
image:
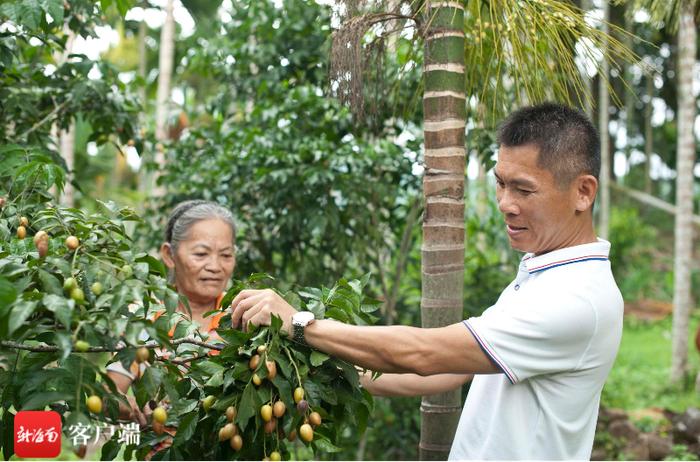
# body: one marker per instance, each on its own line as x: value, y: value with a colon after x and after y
x: 203, y: 262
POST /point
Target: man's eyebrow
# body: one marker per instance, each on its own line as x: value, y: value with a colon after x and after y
x: 516, y: 181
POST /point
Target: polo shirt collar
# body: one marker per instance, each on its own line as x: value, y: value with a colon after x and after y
x: 593, y: 251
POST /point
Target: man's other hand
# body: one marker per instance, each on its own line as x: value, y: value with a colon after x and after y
x: 258, y: 306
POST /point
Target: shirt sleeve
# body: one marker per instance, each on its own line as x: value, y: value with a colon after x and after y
x: 537, y: 338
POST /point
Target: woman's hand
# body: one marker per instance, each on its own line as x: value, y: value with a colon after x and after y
x: 258, y: 306
x: 133, y: 412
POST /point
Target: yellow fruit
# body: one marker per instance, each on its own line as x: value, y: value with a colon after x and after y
x: 94, y: 404
x: 257, y: 380
x: 142, y: 355
x: 262, y: 349
x: 271, y: 369
x: 254, y: 361
x: 236, y: 442
x: 266, y: 412
x: 270, y: 426
x: 279, y: 409
x: 315, y: 419
x: 72, y: 242
x: 208, y: 402
x: 274, y: 455
x: 298, y: 394
x: 230, y: 413
x: 43, y: 248
x: 81, y: 346
x: 24, y: 221
x: 160, y: 415
x: 306, y: 433
x: 40, y: 236
x: 21, y: 232
x: 227, y: 432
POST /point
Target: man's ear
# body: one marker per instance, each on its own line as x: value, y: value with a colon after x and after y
x: 166, y: 253
x: 586, y: 190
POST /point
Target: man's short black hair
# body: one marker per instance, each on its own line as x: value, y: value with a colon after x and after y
x: 568, y: 142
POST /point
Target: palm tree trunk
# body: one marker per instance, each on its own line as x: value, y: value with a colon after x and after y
x: 442, y: 265
x: 165, y: 70
x: 687, y: 36
x: 603, y: 120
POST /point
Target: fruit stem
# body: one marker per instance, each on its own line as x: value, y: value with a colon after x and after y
x: 289, y: 355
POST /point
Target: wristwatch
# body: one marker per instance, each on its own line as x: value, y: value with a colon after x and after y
x: 300, y: 320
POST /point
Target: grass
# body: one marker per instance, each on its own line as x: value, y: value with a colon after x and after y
x: 640, y: 377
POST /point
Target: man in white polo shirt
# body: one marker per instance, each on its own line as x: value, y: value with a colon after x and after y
x: 540, y: 355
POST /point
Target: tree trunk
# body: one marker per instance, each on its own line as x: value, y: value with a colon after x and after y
x: 630, y: 98
x: 586, y: 5
x: 442, y: 265
x: 145, y: 177
x: 648, y: 134
x: 165, y: 70
x: 67, y: 149
x: 603, y: 119
x: 687, y: 36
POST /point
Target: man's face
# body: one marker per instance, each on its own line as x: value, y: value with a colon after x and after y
x: 539, y: 216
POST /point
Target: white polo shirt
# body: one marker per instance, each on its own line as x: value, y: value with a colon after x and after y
x: 554, y: 332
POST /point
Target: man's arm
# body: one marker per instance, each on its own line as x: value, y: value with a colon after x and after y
x: 412, y: 384
x: 394, y: 349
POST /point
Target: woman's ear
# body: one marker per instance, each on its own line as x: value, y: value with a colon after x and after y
x: 586, y: 190
x: 166, y: 253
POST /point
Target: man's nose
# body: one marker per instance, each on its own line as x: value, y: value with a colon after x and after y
x: 507, y: 204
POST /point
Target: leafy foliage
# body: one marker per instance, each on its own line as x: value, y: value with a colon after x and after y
x: 49, y: 302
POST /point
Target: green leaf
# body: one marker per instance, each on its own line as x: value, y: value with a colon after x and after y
x: 147, y: 387
x: 53, y: 8
x: 64, y: 344
x: 20, y: 312
x: 61, y: 307
x: 50, y: 282
x: 318, y: 358
x: 186, y: 428
x: 216, y: 380
x: 110, y: 449
x: 248, y: 406
x: 8, y: 295
x: 38, y: 401
x: 324, y: 445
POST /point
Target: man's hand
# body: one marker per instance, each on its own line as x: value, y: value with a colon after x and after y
x: 258, y: 306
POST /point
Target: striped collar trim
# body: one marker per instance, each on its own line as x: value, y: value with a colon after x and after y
x: 567, y: 256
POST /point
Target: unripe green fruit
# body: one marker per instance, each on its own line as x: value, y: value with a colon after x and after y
x: 208, y: 402
x: 77, y: 295
x: 81, y: 346
x: 70, y: 284
x: 126, y: 271
x: 96, y: 288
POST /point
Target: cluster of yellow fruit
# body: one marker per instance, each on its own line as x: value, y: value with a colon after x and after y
x: 41, y: 238
x: 255, y: 362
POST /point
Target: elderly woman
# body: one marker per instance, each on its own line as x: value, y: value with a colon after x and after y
x: 199, y: 251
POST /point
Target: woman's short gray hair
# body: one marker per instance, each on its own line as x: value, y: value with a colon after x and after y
x: 187, y: 213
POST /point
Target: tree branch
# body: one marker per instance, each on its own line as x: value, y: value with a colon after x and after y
x: 53, y: 348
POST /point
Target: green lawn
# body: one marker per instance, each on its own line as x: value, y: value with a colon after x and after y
x: 640, y: 377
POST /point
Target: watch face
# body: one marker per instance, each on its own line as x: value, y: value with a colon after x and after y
x: 302, y: 318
